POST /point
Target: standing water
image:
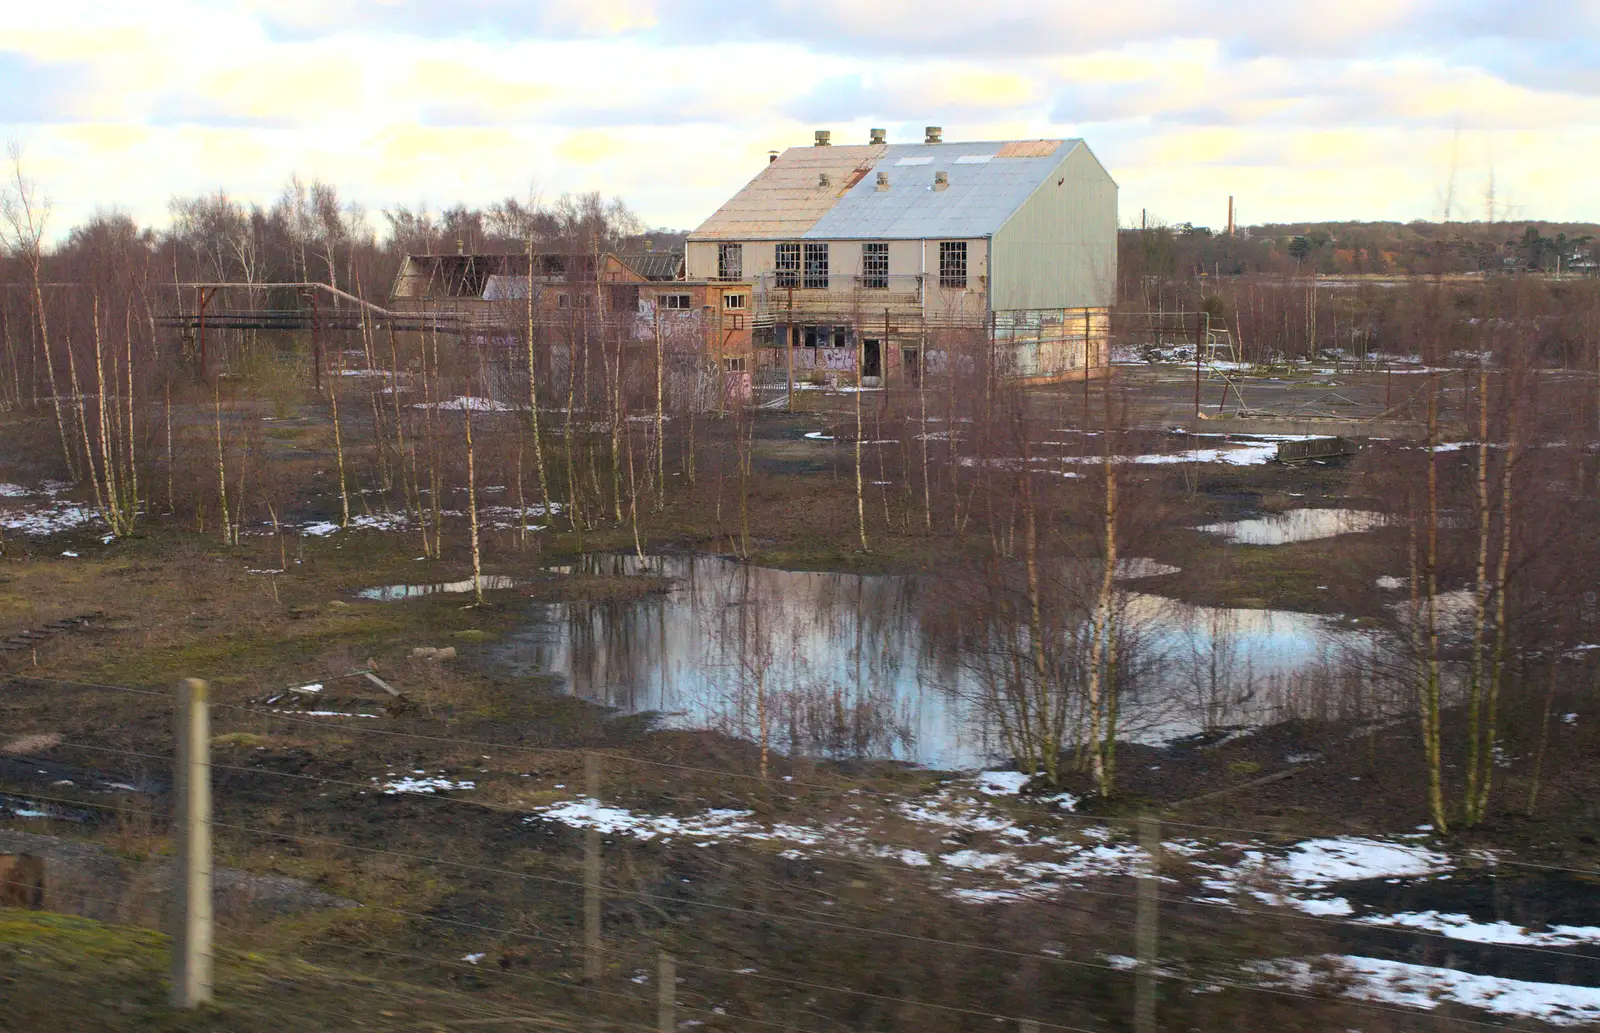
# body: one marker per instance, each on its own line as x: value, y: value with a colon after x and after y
x: 845, y: 665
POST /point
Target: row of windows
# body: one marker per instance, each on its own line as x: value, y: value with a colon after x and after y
x: 805, y: 265
x: 677, y: 302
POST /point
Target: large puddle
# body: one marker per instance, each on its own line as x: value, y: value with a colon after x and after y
x: 397, y: 593
x: 842, y: 665
x: 1297, y: 525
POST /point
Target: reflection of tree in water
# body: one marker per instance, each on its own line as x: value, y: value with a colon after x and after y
x: 922, y: 669
x: 807, y: 662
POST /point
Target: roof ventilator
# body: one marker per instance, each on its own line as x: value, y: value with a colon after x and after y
x: 941, y: 180
x: 883, y: 180
x: 823, y: 179
x: 878, y: 136
x: 934, y: 134
x: 824, y: 138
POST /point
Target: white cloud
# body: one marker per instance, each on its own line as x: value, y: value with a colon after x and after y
x: 1302, y: 111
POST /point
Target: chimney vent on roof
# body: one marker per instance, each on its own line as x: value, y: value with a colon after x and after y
x: 823, y: 179
x: 883, y: 180
x: 878, y: 136
x: 941, y: 180
x: 824, y: 137
x: 934, y: 133
x: 461, y: 248
x: 772, y: 156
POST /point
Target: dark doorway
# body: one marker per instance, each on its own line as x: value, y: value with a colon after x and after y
x: 871, y: 358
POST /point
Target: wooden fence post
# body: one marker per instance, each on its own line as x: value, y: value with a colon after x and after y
x: 1144, y: 1006
x: 666, y: 993
x: 591, y: 876
x: 192, y: 903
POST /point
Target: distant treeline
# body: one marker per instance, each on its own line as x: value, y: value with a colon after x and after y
x: 1331, y: 248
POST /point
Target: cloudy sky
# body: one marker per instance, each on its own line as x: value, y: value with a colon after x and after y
x: 1355, y: 109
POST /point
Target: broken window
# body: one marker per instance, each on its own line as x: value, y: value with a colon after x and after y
x: 841, y: 339
x: 734, y: 301
x: 563, y: 300
x: 788, y: 265
x: 816, y: 268
x: 730, y: 261
x: 734, y: 363
x: 676, y: 301
x: 953, y: 264
x: 875, y: 266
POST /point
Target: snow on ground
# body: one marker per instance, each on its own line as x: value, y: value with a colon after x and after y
x: 1317, y: 862
x: 464, y: 402
x: 1299, y: 877
x: 989, y: 853
x: 40, y: 512
x: 1463, y: 927
x: 995, y: 858
x: 1425, y: 987
x: 421, y: 782
x: 718, y: 823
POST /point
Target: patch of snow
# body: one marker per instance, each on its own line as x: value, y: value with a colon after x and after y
x: 434, y: 784
x: 319, y: 529
x: 1001, y: 783
x: 46, y: 518
x: 1391, y: 584
x: 1425, y: 987
x: 1463, y: 927
x: 976, y: 860
x: 473, y: 959
x: 465, y: 402
x: 1317, y: 862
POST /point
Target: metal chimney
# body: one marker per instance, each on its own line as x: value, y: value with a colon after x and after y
x: 878, y: 136
x: 883, y: 180
x: 824, y: 138
x: 824, y: 180
x: 941, y: 180
x: 933, y: 134
x: 772, y: 156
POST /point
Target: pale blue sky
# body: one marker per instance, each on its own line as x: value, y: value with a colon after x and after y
x: 1359, y: 109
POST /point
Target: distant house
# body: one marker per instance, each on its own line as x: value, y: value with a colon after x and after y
x: 641, y: 297
x: 887, y: 251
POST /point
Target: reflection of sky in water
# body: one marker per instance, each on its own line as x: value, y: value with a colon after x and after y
x: 841, y: 665
x: 1297, y: 525
x: 396, y: 593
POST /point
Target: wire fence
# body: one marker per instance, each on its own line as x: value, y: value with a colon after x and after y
x: 811, y: 918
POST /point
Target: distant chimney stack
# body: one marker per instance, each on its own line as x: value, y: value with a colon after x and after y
x: 878, y: 136
x: 933, y: 134
x: 772, y: 156
x: 883, y: 180
x: 461, y: 248
x: 824, y: 138
x: 941, y: 180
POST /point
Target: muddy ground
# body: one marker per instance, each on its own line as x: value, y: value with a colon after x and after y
x: 767, y: 935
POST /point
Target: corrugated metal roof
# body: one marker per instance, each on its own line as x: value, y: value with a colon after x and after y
x: 654, y: 265
x: 789, y: 198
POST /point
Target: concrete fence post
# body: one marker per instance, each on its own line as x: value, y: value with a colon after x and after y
x: 192, y: 901
x: 666, y: 993
x: 591, y: 877
x: 1144, y: 1006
